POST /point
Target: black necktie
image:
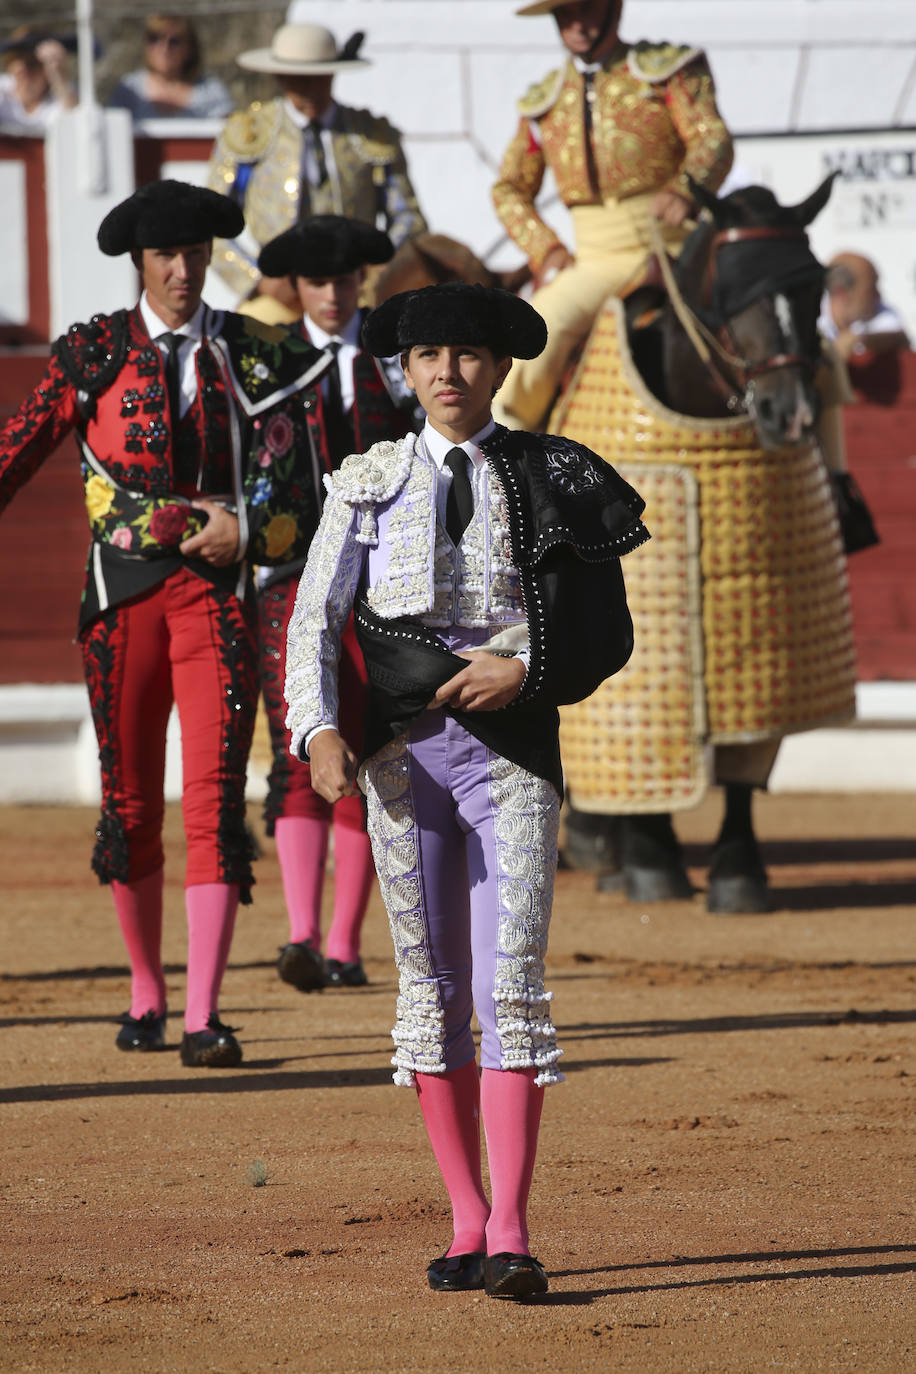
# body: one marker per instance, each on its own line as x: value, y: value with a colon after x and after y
x: 337, y: 429
x: 313, y: 134
x: 173, y: 343
x: 459, y: 505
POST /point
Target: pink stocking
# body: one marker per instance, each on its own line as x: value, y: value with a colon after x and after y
x: 354, y: 872
x: 139, y: 910
x: 511, y: 1106
x: 211, y: 921
x: 302, y: 847
x: 450, y: 1103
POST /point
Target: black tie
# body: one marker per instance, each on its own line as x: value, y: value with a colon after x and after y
x: 459, y: 505
x: 337, y: 429
x: 313, y: 132
x: 173, y: 343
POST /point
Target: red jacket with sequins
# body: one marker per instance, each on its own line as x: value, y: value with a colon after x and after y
x: 239, y: 442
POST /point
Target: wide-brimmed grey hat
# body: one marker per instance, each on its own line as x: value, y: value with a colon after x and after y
x: 304, y: 50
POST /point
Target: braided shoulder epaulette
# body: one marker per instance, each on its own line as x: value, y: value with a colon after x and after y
x: 374, y: 476
x: 542, y: 96
x: 377, y: 139
x: 93, y: 354
x: 654, y: 62
x: 249, y: 133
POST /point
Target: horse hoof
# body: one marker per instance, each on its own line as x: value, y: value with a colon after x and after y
x: 612, y: 880
x: 744, y: 894
x: 657, y: 884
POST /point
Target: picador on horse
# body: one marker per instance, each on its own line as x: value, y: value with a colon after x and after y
x: 723, y: 412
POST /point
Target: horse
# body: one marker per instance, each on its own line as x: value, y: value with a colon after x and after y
x: 734, y: 343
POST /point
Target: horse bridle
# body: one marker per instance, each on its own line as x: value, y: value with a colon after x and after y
x: 745, y: 372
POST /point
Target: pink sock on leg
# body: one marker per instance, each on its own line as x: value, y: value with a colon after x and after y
x: 302, y: 847
x: 450, y: 1103
x: 211, y: 921
x: 354, y: 873
x: 139, y: 910
x: 511, y: 1107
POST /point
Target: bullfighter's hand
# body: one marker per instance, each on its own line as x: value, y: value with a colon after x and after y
x: 670, y: 208
x: 488, y: 682
x: 333, y: 765
x: 218, y: 541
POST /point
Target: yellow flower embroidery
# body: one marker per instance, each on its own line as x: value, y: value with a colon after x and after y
x: 99, y: 497
x: 280, y: 533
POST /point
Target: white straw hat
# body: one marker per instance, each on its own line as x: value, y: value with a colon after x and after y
x: 304, y: 50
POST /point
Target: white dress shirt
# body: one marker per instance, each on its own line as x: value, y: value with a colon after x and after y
x: 437, y: 446
x: 193, y: 331
x: 348, y: 341
x: 309, y: 164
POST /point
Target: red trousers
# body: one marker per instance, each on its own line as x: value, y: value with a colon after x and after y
x: 188, y: 642
x: 290, y: 791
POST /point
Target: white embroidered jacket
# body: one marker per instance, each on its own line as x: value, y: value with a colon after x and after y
x: 380, y: 525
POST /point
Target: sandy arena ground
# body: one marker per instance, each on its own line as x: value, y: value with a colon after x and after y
x: 725, y: 1182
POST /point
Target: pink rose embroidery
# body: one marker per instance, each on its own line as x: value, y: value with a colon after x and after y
x: 122, y: 538
x: 278, y: 435
x: 168, y: 524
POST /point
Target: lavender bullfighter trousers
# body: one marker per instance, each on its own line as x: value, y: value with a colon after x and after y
x: 465, y: 845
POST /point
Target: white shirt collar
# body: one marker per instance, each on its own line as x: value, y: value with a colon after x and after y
x: 437, y: 446
x: 301, y: 121
x: 156, y: 327
x: 348, y: 335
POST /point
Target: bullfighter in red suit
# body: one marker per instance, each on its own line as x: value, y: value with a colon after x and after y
x: 186, y: 423
x: 360, y: 401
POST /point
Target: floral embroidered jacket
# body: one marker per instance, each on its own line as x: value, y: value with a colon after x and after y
x: 237, y: 443
x: 542, y: 550
x: 383, y: 408
x: 654, y: 121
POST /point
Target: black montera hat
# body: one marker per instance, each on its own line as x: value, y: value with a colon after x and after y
x: 164, y: 213
x: 325, y: 246
x: 456, y: 313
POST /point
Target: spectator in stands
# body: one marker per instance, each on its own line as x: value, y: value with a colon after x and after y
x: 854, y: 316
x: 34, y: 86
x: 171, y: 84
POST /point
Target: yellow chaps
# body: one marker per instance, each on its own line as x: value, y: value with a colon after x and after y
x: 612, y: 243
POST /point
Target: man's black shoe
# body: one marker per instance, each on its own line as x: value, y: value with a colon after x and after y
x: 457, y: 1273
x: 146, y: 1032
x: 213, y: 1048
x: 301, y: 965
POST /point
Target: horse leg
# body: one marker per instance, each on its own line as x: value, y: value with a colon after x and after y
x: 592, y: 841
x: 737, y: 877
x: 653, y: 861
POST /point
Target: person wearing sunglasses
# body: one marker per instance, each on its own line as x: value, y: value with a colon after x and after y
x: 171, y: 84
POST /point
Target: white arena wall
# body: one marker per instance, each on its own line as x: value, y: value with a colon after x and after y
x: 48, y: 748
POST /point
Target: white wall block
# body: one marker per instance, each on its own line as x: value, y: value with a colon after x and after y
x: 755, y: 86
x: 14, y: 260
x: 75, y: 212
x: 854, y: 87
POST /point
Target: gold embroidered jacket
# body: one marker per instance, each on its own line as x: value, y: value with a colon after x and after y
x: 654, y: 120
x: 257, y: 161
